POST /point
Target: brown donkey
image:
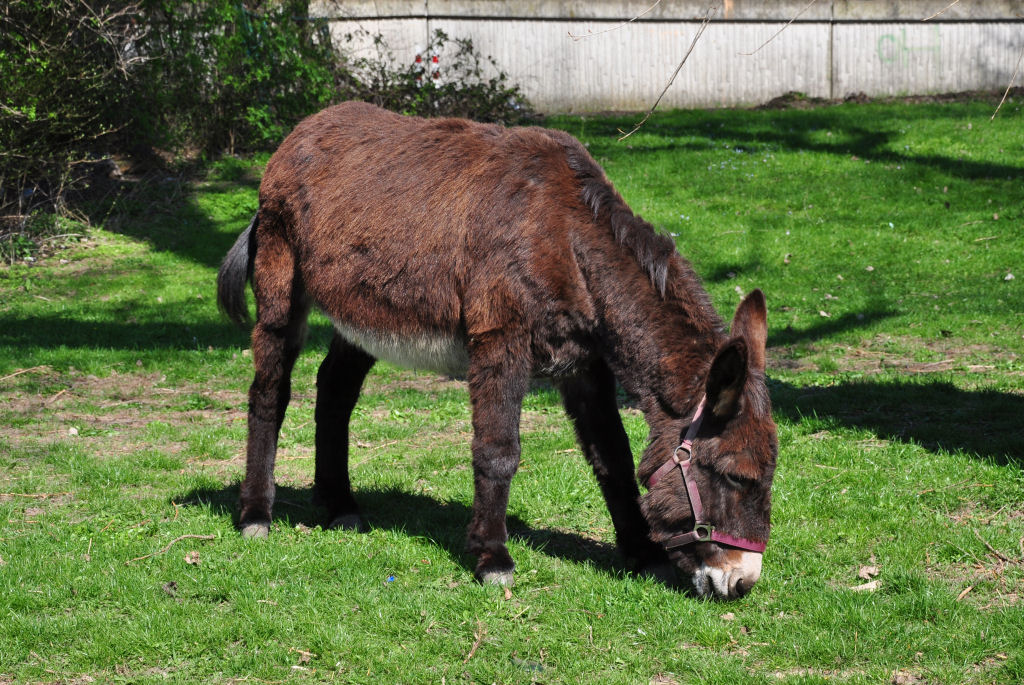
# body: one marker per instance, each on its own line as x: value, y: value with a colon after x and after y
x: 502, y: 255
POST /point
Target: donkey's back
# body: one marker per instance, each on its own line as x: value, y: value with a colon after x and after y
x: 414, y: 235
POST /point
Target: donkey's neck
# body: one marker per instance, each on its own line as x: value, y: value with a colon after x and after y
x: 659, y: 345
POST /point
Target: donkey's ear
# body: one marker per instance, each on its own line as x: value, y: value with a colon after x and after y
x: 751, y: 324
x: 726, y: 379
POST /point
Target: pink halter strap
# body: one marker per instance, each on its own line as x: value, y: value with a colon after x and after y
x: 702, y: 531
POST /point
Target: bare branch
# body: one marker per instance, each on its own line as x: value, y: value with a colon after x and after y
x: 618, y: 26
x: 806, y: 7
x: 696, y: 37
x: 941, y: 10
x: 1010, y: 85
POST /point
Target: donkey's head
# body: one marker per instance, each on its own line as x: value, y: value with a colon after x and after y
x: 709, y: 502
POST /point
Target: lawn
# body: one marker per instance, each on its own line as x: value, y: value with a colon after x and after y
x: 889, y: 239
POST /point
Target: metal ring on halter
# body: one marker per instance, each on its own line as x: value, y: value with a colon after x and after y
x: 689, y: 452
x: 703, y: 531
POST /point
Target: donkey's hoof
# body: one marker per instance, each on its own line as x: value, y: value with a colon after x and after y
x: 506, y: 578
x: 256, y: 531
x: 348, y: 522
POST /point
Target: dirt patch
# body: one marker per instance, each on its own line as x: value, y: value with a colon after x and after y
x: 892, y: 353
x: 415, y: 381
x: 796, y: 100
x: 107, y: 413
x: 903, y: 677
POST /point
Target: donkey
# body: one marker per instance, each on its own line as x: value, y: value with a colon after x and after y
x: 501, y: 255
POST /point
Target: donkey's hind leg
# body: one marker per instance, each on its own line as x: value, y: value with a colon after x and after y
x: 589, y: 400
x: 277, y: 339
x: 338, y: 383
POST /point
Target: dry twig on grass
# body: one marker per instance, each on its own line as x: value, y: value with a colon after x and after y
x: 170, y: 544
x: 21, y: 371
x: 478, y: 638
x: 34, y: 495
x: 996, y: 553
x: 696, y: 37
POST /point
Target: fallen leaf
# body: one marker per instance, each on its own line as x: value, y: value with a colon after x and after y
x: 2, y: 562
x: 866, y: 587
x: 192, y: 558
x: 867, y: 572
x: 304, y: 656
x: 964, y: 592
x: 508, y: 593
x: 728, y: 616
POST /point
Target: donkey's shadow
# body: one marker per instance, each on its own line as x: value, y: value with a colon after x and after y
x: 442, y: 522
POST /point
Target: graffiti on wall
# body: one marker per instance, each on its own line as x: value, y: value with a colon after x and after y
x: 895, y: 49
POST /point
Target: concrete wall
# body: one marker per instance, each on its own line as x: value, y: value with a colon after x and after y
x: 834, y: 48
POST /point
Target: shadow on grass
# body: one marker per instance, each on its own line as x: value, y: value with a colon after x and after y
x: 416, y: 515
x: 829, y: 327
x: 57, y: 331
x: 848, y: 136
x: 165, y: 213
x: 934, y: 414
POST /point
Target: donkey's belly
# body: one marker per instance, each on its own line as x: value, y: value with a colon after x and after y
x: 445, y: 354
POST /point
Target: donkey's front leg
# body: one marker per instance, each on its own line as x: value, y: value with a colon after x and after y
x: 498, y: 378
x: 589, y: 399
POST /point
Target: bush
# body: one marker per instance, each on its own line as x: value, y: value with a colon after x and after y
x: 66, y: 70
x: 468, y: 85
x: 222, y: 75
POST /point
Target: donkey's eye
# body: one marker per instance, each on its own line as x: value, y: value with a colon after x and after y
x: 737, y: 482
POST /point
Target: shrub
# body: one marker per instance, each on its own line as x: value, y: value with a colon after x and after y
x: 469, y: 85
x: 65, y: 77
x: 223, y: 75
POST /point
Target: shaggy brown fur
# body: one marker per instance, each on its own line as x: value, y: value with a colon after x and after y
x: 497, y: 254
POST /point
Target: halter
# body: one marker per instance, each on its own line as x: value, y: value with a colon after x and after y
x: 702, y: 531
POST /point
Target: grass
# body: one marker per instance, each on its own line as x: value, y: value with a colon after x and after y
x: 898, y: 391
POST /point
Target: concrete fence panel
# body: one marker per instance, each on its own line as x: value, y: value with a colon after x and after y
x: 832, y: 49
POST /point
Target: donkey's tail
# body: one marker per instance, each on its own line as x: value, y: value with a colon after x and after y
x: 235, y: 271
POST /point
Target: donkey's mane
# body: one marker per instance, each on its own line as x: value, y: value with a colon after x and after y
x: 653, y: 252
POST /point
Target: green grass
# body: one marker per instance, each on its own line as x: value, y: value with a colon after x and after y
x: 122, y: 403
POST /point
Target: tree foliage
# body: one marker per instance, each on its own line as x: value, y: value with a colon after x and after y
x: 85, y: 78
